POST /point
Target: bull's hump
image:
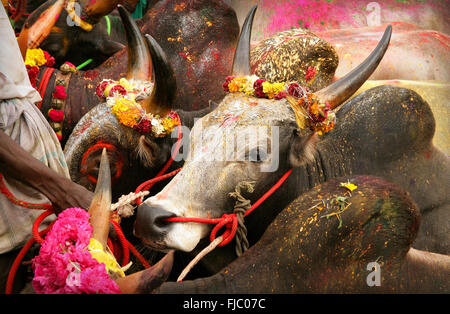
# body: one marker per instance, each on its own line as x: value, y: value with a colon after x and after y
x: 388, y: 120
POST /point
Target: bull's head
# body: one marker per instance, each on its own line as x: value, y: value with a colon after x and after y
x: 101, y: 128
x: 63, y: 27
x: 99, y: 211
x: 277, y: 141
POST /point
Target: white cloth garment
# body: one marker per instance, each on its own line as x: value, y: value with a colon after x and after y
x: 24, y: 123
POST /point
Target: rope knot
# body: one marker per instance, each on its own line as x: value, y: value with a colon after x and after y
x: 230, y: 222
x: 240, y: 210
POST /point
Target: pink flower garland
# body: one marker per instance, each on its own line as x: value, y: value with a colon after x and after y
x: 64, y: 264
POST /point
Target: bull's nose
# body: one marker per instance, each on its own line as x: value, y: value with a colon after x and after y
x: 150, y: 222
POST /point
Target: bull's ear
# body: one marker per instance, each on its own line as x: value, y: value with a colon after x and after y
x: 110, y: 47
x: 149, y: 152
x: 303, y: 147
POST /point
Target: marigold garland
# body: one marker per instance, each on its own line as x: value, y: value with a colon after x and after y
x: 320, y: 118
x: 34, y: 59
x: 121, y: 97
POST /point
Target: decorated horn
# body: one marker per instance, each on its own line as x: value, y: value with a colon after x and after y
x: 162, y: 98
x: 339, y: 91
x: 139, y: 62
x: 241, y: 61
x: 100, y: 208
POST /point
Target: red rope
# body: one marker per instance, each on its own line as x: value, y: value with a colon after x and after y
x: 43, y: 84
x: 37, y: 236
x: 99, y: 147
x: 230, y: 221
x: 123, y: 241
x: 36, y: 224
x: 5, y: 191
x: 18, y: 260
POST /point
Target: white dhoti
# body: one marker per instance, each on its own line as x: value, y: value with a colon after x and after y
x: 24, y: 123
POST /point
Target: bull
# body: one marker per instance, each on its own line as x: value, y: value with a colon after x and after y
x: 95, y: 125
x: 51, y: 27
x: 413, y: 54
x: 81, y: 86
x: 197, y: 36
x: 129, y: 151
x: 385, y: 131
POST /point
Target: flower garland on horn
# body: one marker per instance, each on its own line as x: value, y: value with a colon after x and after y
x: 123, y: 98
x: 71, y: 261
x: 318, y: 115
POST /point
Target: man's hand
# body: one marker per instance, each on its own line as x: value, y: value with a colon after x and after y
x: 67, y: 194
x: 21, y: 165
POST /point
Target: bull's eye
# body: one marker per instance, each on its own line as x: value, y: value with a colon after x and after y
x: 257, y: 155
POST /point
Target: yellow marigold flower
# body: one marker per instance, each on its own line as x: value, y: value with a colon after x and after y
x: 314, y: 109
x: 350, y: 186
x: 126, y: 111
x: 247, y: 87
x: 35, y: 57
x: 97, y: 251
x: 272, y: 89
x: 324, y: 127
x: 233, y: 86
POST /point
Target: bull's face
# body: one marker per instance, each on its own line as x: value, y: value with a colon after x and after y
x: 133, y: 127
x: 244, y: 139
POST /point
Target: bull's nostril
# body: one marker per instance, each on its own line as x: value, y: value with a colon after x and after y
x: 151, y: 222
x: 162, y: 222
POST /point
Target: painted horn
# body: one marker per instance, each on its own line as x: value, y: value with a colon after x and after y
x: 100, y: 8
x: 147, y: 280
x: 32, y: 36
x: 100, y: 209
x: 165, y: 85
x: 339, y: 91
x: 241, y: 61
x: 139, y: 62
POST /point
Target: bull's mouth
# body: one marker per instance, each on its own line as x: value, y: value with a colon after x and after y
x: 155, y: 245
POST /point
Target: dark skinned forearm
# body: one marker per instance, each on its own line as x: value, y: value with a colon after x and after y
x: 17, y: 163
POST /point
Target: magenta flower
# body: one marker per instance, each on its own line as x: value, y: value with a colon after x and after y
x: 64, y: 264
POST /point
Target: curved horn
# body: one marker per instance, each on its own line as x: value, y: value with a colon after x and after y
x: 32, y: 36
x: 100, y: 8
x: 338, y: 92
x: 147, y: 280
x: 425, y: 271
x: 241, y: 61
x: 100, y: 208
x: 139, y: 62
x: 165, y: 85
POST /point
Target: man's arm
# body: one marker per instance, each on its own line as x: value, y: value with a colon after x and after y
x: 19, y: 164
